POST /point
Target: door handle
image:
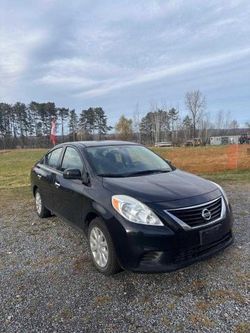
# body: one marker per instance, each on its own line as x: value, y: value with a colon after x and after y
x: 57, y: 185
x: 39, y: 176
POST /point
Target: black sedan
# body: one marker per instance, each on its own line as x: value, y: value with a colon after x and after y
x: 137, y: 210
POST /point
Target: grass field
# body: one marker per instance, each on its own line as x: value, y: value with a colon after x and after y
x: 209, y: 159
x: 211, y: 162
x: 15, y: 166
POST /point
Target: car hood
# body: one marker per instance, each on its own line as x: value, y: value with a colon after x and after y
x: 161, y: 187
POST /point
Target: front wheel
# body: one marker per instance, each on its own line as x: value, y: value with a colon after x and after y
x: 102, y: 248
x: 41, y: 210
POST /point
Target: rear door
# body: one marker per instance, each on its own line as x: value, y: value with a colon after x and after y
x: 72, y: 195
x: 46, y: 172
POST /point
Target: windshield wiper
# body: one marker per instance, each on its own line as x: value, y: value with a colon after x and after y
x: 132, y: 174
x: 145, y: 172
x: 110, y: 175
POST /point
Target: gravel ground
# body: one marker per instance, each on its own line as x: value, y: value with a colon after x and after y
x: 48, y: 284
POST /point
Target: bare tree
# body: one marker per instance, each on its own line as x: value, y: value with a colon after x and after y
x: 186, y: 126
x: 159, y: 119
x: 205, y: 126
x: 173, y: 114
x: 196, y: 104
x: 136, y: 123
x: 219, y: 121
x: 227, y: 119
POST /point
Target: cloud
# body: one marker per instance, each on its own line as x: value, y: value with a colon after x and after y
x: 14, y: 58
x: 17, y: 46
x: 163, y: 72
x: 118, y: 52
x: 77, y: 73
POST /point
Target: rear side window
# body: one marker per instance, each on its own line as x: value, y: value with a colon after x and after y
x: 52, y: 159
x: 71, y: 160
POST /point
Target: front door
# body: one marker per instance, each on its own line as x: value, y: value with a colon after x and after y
x: 71, y: 195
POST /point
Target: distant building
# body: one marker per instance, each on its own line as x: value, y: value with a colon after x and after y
x: 164, y: 144
x: 224, y: 140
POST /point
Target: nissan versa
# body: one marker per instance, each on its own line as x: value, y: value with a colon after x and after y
x: 137, y: 210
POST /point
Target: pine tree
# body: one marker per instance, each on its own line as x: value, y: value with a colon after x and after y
x: 101, y: 122
x: 63, y: 114
x: 73, y: 123
x: 21, y: 121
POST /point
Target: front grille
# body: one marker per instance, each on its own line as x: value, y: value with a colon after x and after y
x: 192, y: 216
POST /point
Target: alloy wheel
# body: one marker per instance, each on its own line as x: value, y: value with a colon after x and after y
x: 38, y: 200
x: 99, y: 247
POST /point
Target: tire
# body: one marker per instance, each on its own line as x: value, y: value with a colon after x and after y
x: 41, y: 210
x: 102, y: 251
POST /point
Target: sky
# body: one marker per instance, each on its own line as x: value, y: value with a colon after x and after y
x: 126, y: 55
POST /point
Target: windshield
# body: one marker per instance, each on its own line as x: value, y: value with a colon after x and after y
x: 125, y: 161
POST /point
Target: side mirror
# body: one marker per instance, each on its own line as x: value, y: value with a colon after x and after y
x: 72, y: 174
x: 85, y: 178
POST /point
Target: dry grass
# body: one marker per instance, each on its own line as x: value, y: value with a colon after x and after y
x: 208, y: 159
x: 242, y: 328
x: 243, y: 277
x: 227, y: 294
x: 79, y: 263
x: 66, y: 314
x: 198, y: 285
x: 100, y: 300
x: 199, y: 319
x: 203, y: 306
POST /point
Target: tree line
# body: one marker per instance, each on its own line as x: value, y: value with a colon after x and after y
x: 28, y: 125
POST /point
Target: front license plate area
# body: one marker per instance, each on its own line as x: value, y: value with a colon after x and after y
x: 211, y: 235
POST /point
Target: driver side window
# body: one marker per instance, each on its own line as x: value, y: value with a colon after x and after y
x: 71, y: 160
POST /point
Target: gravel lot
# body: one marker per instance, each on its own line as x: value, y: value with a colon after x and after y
x: 48, y: 284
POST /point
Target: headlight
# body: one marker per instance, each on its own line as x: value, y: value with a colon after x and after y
x: 222, y: 192
x: 134, y: 210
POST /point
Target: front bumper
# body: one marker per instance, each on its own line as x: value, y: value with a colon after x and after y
x: 161, y: 249
x: 171, y: 261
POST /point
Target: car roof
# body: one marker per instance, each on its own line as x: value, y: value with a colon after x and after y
x: 102, y: 143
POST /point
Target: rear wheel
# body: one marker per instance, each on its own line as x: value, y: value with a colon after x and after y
x: 102, y: 248
x: 41, y: 210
